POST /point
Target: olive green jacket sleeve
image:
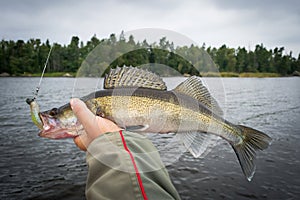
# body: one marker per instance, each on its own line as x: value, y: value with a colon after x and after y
x: 125, y: 165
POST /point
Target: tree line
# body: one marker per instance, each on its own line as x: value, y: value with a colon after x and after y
x: 26, y: 57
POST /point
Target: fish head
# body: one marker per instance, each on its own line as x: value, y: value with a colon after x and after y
x: 59, y: 123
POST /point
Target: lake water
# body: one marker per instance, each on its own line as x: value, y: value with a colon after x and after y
x: 37, y: 168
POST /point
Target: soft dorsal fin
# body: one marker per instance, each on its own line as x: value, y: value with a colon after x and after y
x: 133, y: 77
x: 193, y: 87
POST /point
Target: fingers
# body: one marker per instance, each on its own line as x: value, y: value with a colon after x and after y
x: 80, y: 142
x: 107, y: 125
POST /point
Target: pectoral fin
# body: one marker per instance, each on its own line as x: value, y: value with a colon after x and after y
x: 137, y: 128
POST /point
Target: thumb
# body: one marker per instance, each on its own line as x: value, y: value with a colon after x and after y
x: 92, y: 124
x: 84, y: 115
x: 88, y: 121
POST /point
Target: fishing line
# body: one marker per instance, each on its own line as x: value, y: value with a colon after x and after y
x: 42, y: 76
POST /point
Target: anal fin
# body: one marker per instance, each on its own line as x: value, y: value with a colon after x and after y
x: 199, y: 144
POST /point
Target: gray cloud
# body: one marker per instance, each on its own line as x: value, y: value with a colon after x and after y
x: 215, y: 22
x: 265, y: 5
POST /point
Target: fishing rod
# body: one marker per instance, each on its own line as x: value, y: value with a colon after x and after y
x: 41, y: 78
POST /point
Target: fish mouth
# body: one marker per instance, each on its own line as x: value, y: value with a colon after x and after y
x: 52, y: 128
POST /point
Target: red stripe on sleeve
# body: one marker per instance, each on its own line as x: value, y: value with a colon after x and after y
x: 135, y: 167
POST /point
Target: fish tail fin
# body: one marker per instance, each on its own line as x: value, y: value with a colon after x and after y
x: 246, y: 151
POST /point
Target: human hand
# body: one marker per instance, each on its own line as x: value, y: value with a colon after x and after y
x: 92, y: 124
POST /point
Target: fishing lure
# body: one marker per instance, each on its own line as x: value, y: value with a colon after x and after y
x: 34, y: 112
x: 34, y: 107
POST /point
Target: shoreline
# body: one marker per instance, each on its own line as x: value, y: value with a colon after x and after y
x: 242, y: 75
x: 202, y: 74
x: 52, y: 74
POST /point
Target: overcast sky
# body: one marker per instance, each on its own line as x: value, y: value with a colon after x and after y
x: 245, y: 23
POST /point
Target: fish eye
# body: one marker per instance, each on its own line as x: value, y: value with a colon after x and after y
x: 53, y: 111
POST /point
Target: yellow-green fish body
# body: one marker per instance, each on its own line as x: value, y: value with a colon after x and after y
x: 137, y: 100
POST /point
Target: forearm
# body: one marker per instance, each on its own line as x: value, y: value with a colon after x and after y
x: 126, y: 166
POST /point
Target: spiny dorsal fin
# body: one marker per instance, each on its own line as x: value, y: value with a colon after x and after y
x: 133, y: 77
x: 193, y: 87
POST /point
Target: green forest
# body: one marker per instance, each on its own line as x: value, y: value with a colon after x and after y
x: 21, y: 58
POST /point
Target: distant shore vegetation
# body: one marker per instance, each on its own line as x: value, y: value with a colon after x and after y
x: 27, y: 58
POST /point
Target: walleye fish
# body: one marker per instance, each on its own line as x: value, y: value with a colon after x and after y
x: 138, y: 100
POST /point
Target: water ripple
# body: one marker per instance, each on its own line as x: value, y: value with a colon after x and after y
x: 38, y: 168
